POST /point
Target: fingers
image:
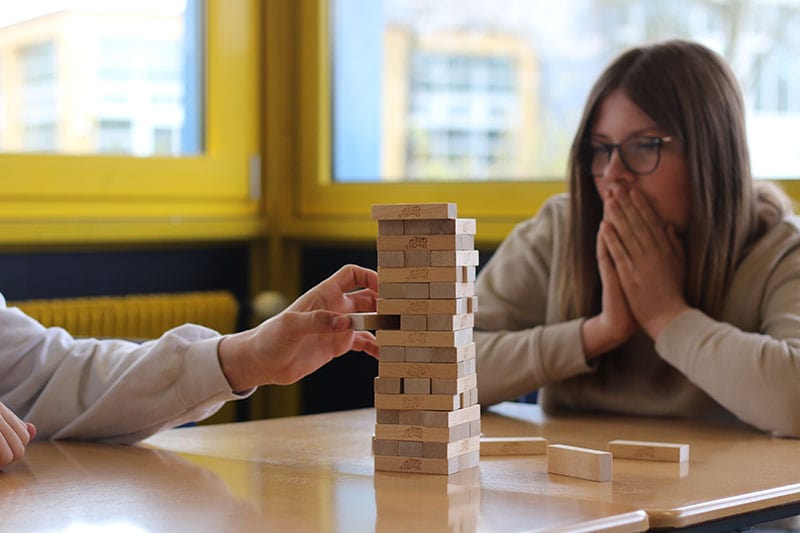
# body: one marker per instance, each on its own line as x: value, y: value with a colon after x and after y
x: 614, y: 248
x: 638, y: 225
x: 362, y: 301
x: 14, y: 436
x: 364, y: 341
x: 351, y: 277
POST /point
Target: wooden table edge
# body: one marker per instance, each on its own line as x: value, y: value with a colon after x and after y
x: 689, y: 515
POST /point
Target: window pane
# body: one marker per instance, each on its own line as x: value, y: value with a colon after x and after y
x: 102, y: 77
x: 468, y: 90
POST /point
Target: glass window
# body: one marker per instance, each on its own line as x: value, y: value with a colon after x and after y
x: 462, y: 90
x: 85, y: 77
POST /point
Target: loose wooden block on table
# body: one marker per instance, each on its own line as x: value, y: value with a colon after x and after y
x: 513, y: 445
x: 373, y: 321
x: 649, y: 451
x: 583, y: 463
x: 427, y: 465
x: 413, y: 211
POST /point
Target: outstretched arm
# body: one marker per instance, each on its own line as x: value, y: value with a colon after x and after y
x: 305, y: 336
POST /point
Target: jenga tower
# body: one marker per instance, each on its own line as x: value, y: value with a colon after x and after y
x: 426, y: 396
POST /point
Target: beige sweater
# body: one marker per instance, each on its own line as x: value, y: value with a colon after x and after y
x: 746, y: 364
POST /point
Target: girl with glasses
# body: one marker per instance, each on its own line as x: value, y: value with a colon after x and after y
x: 665, y: 283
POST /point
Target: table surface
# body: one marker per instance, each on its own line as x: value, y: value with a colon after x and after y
x: 315, y: 473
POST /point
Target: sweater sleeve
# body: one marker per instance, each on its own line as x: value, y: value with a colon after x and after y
x: 753, y: 372
x: 107, y: 390
x: 521, y: 342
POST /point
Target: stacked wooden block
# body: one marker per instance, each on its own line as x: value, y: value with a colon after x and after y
x: 426, y: 396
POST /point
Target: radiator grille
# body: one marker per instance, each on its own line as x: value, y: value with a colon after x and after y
x: 135, y: 317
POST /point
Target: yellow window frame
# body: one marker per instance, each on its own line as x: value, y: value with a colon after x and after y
x: 67, y: 198
x: 325, y: 209
x: 497, y: 205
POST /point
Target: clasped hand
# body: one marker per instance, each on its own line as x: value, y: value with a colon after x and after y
x: 642, y: 267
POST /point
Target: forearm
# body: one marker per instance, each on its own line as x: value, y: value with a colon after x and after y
x: 513, y: 363
x: 754, y: 376
x: 108, y: 390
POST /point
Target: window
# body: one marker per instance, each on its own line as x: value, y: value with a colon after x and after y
x: 516, y: 78
x: 125, y: 120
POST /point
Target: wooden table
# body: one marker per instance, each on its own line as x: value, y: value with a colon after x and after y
x: 315, y: 473
x: 312, y: 473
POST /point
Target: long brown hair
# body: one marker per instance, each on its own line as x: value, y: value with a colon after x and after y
x: 692, y: 93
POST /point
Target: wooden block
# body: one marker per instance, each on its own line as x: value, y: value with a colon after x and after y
x: 384, y: 385
x: 373, y: 321
x: 468, y: 398
x: 423, y: 338
x: 390, y: 290
x: 649, y: 451
x: 415, y: 258
x: 392, y: 258
x: 475, y: 427
x: 423, y: 370
x: 450, y: 289
x: 392, y: 353
x: 410, y: 418
x: 416, y: 291
x: 432, y: 402
x: 416, y: 385
x: 453, y: 354
x: 450, y: 322
x: 446, y: 450
x: 409, y: 448
x: 414, y: 322
x: 440, y: 226
x: 427, y: 465
x: 413, y: 211
x: 388, y: 416
x: 424, y: 433
x: 391, y: 227
x: 470, y: 365
x: 512, y: 445
x: 583, y: 463
x: 422, y: 307
x: 419, y: 354
x: 454, y: 386
x: 425, y: 242
x: 454, y: 258
x: 426, y: 274
x: 472, y: 304
x: 385, y: 447
x: 453, y: 418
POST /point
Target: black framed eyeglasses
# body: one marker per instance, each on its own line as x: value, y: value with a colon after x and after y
x: 640, y: 155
